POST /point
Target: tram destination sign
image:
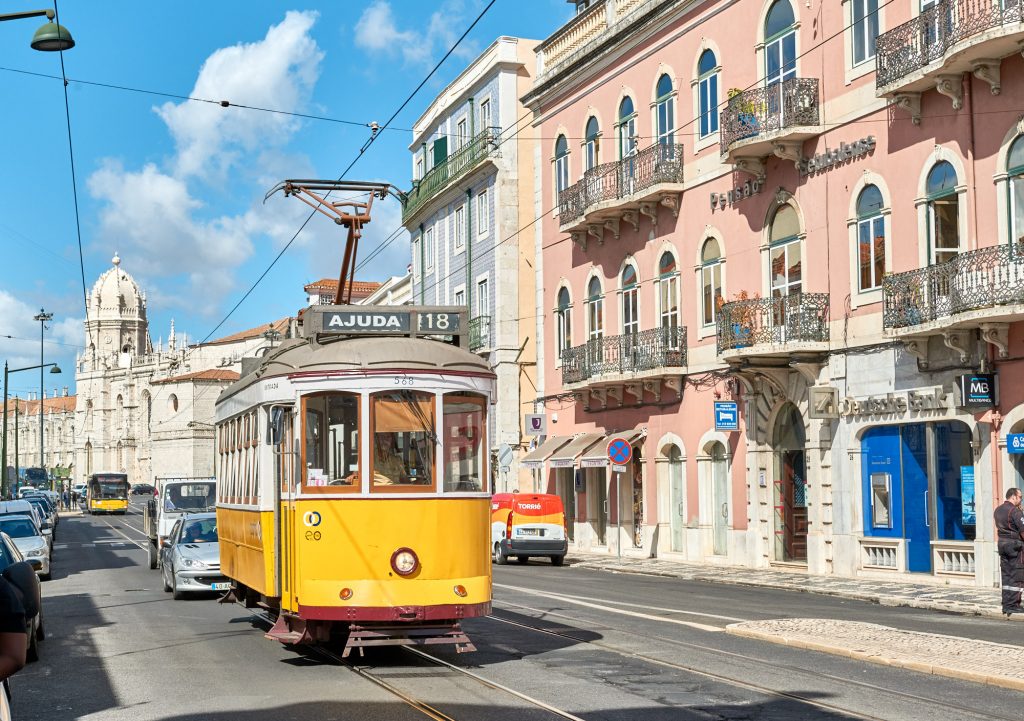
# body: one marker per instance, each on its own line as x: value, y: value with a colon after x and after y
x: 385, y: 321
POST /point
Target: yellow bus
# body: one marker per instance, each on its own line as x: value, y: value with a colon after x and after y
x: 107, y: 493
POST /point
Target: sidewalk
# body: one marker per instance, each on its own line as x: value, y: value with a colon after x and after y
x: 969, y: 659
x: 953, y: 599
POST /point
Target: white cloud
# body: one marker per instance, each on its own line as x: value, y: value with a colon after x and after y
x: 376, y: 31
x: 22, y: 350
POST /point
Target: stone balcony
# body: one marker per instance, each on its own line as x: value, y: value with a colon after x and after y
x: 591, y: 27
x: 949, y: 38
x: 978, y: 290
x: 772, y: 120
x: 632, y: 364
x: 621, y: 192
x: 773, y: 326
x: 459, y: 164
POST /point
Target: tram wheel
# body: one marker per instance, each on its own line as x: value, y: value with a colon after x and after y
x: 499, y: 556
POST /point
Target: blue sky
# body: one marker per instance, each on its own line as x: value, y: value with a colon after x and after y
x: 176, y: 187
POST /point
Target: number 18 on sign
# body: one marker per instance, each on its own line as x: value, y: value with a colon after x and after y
x: 1015, y: 442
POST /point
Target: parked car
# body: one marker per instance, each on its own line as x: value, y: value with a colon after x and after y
x: 24, y: 507
x: 33, y: 545
x: 141, y: 489
x: 190, y: 557
x: 46, y: 507
x: 19, y: 573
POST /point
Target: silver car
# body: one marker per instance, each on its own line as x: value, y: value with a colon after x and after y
x: 29, y: 540
x: 190, y: 558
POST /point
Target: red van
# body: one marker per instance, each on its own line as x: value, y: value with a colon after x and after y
x: 528, y: 524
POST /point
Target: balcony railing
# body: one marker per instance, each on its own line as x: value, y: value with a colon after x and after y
x: 479, y: 332
x: 928, y: 37
x: 621, y: 179
x: 795, y: 318
x: 455, y: 166
x: 766, y: 111
x: 978, y: 279
x: 625, y: 354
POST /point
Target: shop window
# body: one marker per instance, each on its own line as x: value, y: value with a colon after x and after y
x: 591, y: 147
x: 331, y: 442
x: 404, y: 442
x: 870, y: 238
x: 465, y: 442
x: 1015, y: 169
x: 881, y: 500
x: 707, y: 93
x: 943, y: 214
x: 710, y: 280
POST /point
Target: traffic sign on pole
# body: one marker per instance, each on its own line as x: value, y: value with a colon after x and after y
x: 619, y: 451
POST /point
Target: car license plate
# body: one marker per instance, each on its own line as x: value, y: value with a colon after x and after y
x: 223, y: 586
x: 529, y: 532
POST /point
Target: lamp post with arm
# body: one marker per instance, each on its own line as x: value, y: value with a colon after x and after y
x: 42, y: 317
x: 54, y: 368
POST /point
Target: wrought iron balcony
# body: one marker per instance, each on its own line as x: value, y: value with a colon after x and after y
x: 933, y: 36
x: 479, y: 332
x: 455, y: 166
x: 973, y: 281
x: 796, y: 318
x: 627, y: 354
x: 628, y: 179
x: 772, y: 113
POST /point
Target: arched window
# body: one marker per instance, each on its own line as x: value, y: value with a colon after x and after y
x: 665, y: 112
x: 172, y: 403
x: 707, y: 93
x: 561, y: 164
x: 1015, y: 169
x: 630, y: 309
x: 627, y: 128
x: 592, y: 143
x: 784, y: 239
x: 88, y: 458
x: 710, y: 280
x: 595, y: 309
x: 870, y: 238
x: 943, y: 214
x: 120, y: 456
x: 668, y: 291
x: 563, y: 321
x: 779, y: 44
x: 119, y: 418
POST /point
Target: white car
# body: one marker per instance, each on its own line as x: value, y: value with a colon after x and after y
x: 29, y: 540
x: 25, y: 508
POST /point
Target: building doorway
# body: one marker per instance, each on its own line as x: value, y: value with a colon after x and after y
x: 565, y: 486
x: 677, y: 498
x: 719, y: 499
x: 597, y: 494
x: 638, y: 499
x: 790, y: 492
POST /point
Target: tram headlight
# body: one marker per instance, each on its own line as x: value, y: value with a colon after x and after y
x: 404, y: 561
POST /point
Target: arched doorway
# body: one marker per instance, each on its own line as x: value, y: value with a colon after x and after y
x: 790, y: 486
x: 677, y: 497
x: 720, y: 499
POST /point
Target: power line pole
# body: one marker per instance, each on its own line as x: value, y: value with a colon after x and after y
x: 42, y: 317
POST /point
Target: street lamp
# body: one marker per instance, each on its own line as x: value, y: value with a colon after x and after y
x: 51, y: 37
x: 54, y: 368
x: 42, y: 316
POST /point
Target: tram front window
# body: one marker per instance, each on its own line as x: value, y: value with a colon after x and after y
x: 403, y: 439
x: 465, y: 441
x: 331, y: 448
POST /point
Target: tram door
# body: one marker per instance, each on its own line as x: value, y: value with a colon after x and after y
x: 285, y: 464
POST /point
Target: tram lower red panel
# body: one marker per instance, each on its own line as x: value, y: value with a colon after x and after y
x: 394, y: 614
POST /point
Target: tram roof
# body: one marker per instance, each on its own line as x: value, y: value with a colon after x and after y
x: 387, y: 353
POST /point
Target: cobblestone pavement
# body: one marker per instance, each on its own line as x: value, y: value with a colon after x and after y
x: 996, y: 664
x: 955, y: 599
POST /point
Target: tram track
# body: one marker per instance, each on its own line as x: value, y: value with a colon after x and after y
x: 739, y: 657
x: 427, y: 709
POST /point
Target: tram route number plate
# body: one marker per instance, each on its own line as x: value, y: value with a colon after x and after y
x: 437, y: 322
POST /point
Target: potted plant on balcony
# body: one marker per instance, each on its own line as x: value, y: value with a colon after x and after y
x: 747, y: 124
x: 742, y: 319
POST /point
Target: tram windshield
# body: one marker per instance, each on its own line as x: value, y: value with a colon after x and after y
x: 403, y: 439
x: 465, y: 438
x: 331, y: 447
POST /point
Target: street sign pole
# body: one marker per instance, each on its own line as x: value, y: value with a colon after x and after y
x: 620, y: 451
x: 618, y: 514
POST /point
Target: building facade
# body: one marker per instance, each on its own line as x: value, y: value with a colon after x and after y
x: 472, y: 191
x: 812, y: 211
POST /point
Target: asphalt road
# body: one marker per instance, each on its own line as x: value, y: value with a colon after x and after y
x: 591, y: 644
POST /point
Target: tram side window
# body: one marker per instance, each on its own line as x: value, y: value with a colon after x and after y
x: 404, y: 440
x: 465, y: 441
x: 331, y: 448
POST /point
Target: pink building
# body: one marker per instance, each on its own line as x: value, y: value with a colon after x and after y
x: 808, y: 209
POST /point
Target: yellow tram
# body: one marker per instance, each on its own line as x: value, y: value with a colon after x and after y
x: 352, y: 479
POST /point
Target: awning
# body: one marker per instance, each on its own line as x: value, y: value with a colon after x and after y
x: 536, y: 457
x: 567, y: 455
x: 598, y: 453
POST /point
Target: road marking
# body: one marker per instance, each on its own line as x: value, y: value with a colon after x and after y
x: 649, y: 608
x: 610, y: 609
x: 123, y: 535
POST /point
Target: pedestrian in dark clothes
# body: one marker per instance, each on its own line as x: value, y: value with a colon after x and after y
x: 1010, y: 539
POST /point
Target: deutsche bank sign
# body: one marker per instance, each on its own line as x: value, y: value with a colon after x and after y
x: 977, y: 390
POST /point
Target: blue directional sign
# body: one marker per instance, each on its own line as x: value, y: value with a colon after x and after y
x: 1015, y: 442
x: 727, y: 416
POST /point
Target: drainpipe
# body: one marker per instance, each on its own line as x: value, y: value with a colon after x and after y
x: 469, y: 252
x: 423, y: 268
